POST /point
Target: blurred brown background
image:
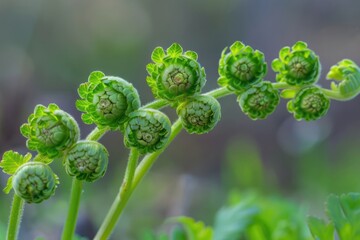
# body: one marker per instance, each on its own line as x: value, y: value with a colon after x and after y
x: 47, y: 48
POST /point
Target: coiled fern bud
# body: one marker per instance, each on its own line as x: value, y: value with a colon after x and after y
x: 107, y: 101
x: 34, y: 182
x: 309, y: 103
x: 175, y: 75
x: 147, y: 130
x: 259, y: 101
x: 348, y: 73
x: 86, y: 160
x: 50, y: 131
x: 241, y: 67
x: 199, y: 114
x: 298, y: 66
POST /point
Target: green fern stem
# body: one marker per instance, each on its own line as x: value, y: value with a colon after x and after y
x: 70, y: 224
x: 142, y: 169
x: 76, y: 190
x: 17, y: 209
x: 133, y: 177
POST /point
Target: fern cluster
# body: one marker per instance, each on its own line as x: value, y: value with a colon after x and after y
x: 176, y: 79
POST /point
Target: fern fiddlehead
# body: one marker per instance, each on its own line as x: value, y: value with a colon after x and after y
x: 241, y: 67
x: 50, y: 131
x: 199, y: 114
x: 34, y: 182
x: 259, y: 101
x: 147, y: 130
x: 310, y: 103
x: 175, y: 75
x: 297, y: 65
x: 86, y: 160
x: 347, y: 73
x: 107, y: 101
x: 176, y: 79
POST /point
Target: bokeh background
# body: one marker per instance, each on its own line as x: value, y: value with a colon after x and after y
x: 47, y: 48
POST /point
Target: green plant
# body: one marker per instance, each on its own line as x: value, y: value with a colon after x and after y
x: 251, y: 216
x: 176, y: 79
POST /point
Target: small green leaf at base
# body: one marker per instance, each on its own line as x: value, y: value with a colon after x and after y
x: 288, y: 93
x: 8, y: 187
x: 12, y: 161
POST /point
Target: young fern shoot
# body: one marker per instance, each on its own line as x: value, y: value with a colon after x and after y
x: 176, y: 79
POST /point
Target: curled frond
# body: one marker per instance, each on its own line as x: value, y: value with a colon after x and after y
x: 241, y: 67
x: 309, y: 104
x: 175, y: 75
x: 348, y: 73
x: 86, y: 160
x: 50, y: 131
x: 34, y: 182
x: 259, y: 101
x: 199, y: 114
x: 107, y: 101
x: 297, y: 66
x: 147, y: 130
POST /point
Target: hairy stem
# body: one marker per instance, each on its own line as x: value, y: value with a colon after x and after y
x: 96, y: 134
x: 129, y: 174
x: 216, y: 93
x: 76, y: 190
x: 123, y: 196
x: 149, y: 159
x: 157, y: 104
x: 219, y: 92
x: 145, y: 165
x: 280, y: 85
x: 73, y: 211
x: 16, y: 212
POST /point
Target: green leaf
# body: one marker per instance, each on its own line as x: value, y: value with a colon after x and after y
x: 178, y: 233
x: 319, y: 229
x: 53, y: 107
x: 12, y: 161
x: 335, y: 74
x: 25, y: 130
x: 335, y: 213
x: 174, y: 50
x: 82, y: 90
x: 334, y: 86
x: 288, y: 93
x: 191, y: 54
x: 157, y: 55
x: 39, y: 109
x: 150, y: 68
x: 236, y: 47
x: 299, y: 46
x: 222, y: 81
x: 8, y: 187
x: 195, y: 230
x: 231, y: 222
x: 86, y: 118
x: 81, y: 105
x: 284, y: 52
x: 276, y: 65
x: 344, y: 212
x: 96, y: 76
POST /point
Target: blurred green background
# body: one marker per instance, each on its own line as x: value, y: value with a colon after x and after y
x: 47, y: 48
